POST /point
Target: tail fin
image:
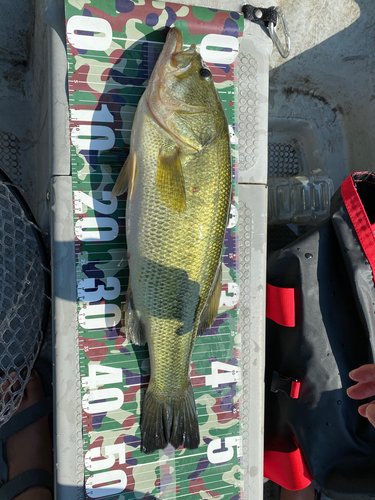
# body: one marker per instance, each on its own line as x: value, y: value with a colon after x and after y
x: 172, y: 420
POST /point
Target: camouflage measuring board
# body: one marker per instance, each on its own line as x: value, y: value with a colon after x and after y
x: 112, y: 48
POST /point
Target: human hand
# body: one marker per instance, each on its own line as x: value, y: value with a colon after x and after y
x: 365, y: 376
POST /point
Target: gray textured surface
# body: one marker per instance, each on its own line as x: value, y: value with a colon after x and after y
x: 34, y: 146
x: 18, y: 103
x: 252, y: 251
x: 69, y: 474
x: 18, y: 130
x: 67, y: 415
x: 322, y: 97
x: 22, y: 300
x: 253, y: 68
x: 327, y: 84
x: 283, y: 160
x: 15, y: 50
x: 253, y: 63
x: 10, y: 157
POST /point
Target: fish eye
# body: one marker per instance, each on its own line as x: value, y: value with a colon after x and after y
x: 205, y: 73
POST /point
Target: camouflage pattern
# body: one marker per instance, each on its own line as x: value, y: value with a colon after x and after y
x: 106, y: 81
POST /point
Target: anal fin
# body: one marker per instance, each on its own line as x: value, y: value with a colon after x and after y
x: 132, y: 327
x: 211, y: 306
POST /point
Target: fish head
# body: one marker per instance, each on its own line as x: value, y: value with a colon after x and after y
x: 181, y: 94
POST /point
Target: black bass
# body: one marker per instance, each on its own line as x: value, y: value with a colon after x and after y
x: 178, y: 178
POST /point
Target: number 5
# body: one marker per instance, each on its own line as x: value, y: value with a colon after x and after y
x: 104, y: 463
x: 216, y: 456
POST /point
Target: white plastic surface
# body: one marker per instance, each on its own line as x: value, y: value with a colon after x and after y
x: 253, y: 239
x: 253, y: 70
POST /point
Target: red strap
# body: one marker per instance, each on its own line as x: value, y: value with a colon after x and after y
x: 280, y: 305
x: 359, y: 220
x: 294, y: 390
x: 289, y: 470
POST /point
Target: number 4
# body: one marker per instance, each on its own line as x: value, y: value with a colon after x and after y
x: 230, y: 373
x: 100, y: 375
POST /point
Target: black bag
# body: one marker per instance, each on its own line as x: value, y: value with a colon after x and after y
x: 321, y: 298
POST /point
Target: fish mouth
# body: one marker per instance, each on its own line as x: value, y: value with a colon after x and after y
x: 180, y: 59
x: 175, y: 39
x: 173, y: 61
x: 174, y: 43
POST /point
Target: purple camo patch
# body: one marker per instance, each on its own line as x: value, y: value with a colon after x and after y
x: 97, y: 418
x: 230, y: 244
x: 125, y: 351
x: 224, y: 67
x: 111, y: 334
x: 226, y: 401
x: 218, y: 321
x: 230, y: 28
x: 124, y: 6
x: 91, y: 271
x: 132, y: 441
x: 132, y: 378
x: 152, y: 19
x: 91, y: 157
x: 171, y: 16
x: 201, y: 466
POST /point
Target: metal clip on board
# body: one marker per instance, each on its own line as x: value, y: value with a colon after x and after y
x: 268, y: 18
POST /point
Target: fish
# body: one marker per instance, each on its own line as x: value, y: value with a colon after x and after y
x: 178, y: 181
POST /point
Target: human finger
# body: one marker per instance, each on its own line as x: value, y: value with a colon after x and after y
x: 361, y: 390
x: 364, y: 373
x: 33, y: 384
x: 370, y: 413
x: 362, y: 409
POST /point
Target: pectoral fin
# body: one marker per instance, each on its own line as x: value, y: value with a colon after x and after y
x: 211, y: 307
x: 127, y: 176
x: 170, y: 181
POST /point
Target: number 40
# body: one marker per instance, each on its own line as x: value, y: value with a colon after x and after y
x: 102, y: 400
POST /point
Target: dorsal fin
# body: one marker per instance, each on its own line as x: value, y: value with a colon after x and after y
x: 127, y: 176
